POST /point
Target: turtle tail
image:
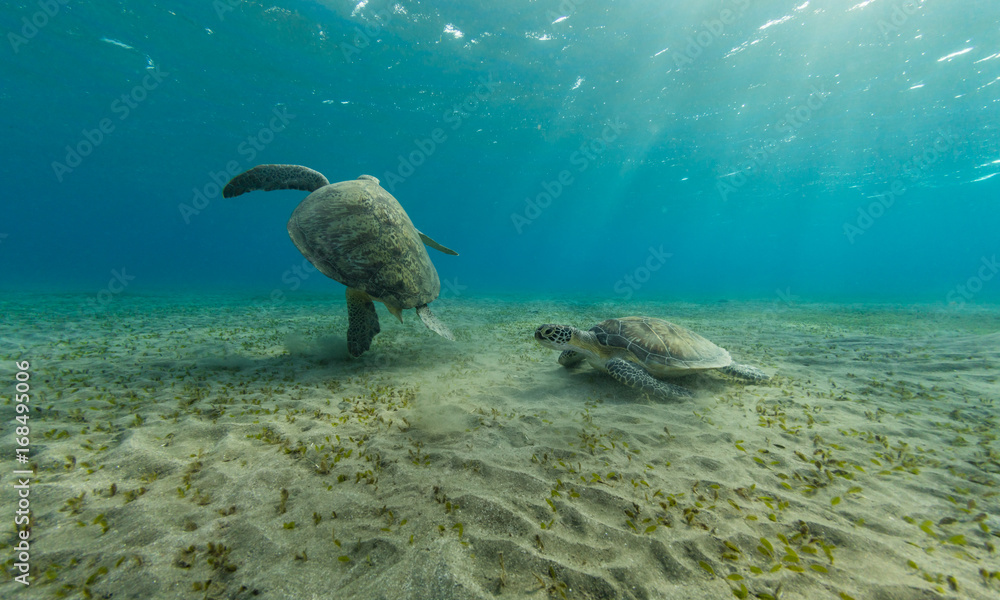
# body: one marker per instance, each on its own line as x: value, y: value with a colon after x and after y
x: 275, y: 177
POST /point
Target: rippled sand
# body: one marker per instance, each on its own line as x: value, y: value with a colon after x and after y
x: 224, y: 447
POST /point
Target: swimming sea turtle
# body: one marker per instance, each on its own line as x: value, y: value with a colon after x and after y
x: 356, y: 233
x: 637, y: 350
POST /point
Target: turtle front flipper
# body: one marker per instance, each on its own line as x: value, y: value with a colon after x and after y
x: 275, y: 177
x: 745, y: 372
x: 570, y: 358
x: 428, y: 241
x: 635, y: 376
x: 433, y: 323
x: 362, y: 322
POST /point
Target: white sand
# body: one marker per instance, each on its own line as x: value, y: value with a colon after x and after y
x: 481, y: 468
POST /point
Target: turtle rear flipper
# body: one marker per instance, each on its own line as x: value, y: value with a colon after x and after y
x: 426, y: 239
x: 745, y: 372
x: 275, y: 177
x: 634, y: 376
x: 433, y: 323
x: 362, y: 322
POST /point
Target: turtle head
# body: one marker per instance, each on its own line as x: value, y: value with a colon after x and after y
x: 556, y: 337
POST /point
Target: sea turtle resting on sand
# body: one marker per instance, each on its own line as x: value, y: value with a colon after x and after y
x: 637, y: 350
x: 356, y: 233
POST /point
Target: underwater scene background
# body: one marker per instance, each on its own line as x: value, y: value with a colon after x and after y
x: 825, y: 149
x: 810, y: 185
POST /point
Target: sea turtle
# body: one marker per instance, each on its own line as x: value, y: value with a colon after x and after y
x: 356, y: 233
x: 637, y: 350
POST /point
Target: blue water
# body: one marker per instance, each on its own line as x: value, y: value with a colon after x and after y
x: 774, y: 150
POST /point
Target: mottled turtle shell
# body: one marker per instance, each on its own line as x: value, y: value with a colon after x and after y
x: 662, y: 348
x: 356, y: 233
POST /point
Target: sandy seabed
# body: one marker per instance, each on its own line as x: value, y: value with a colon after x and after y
x: 225, y: 447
